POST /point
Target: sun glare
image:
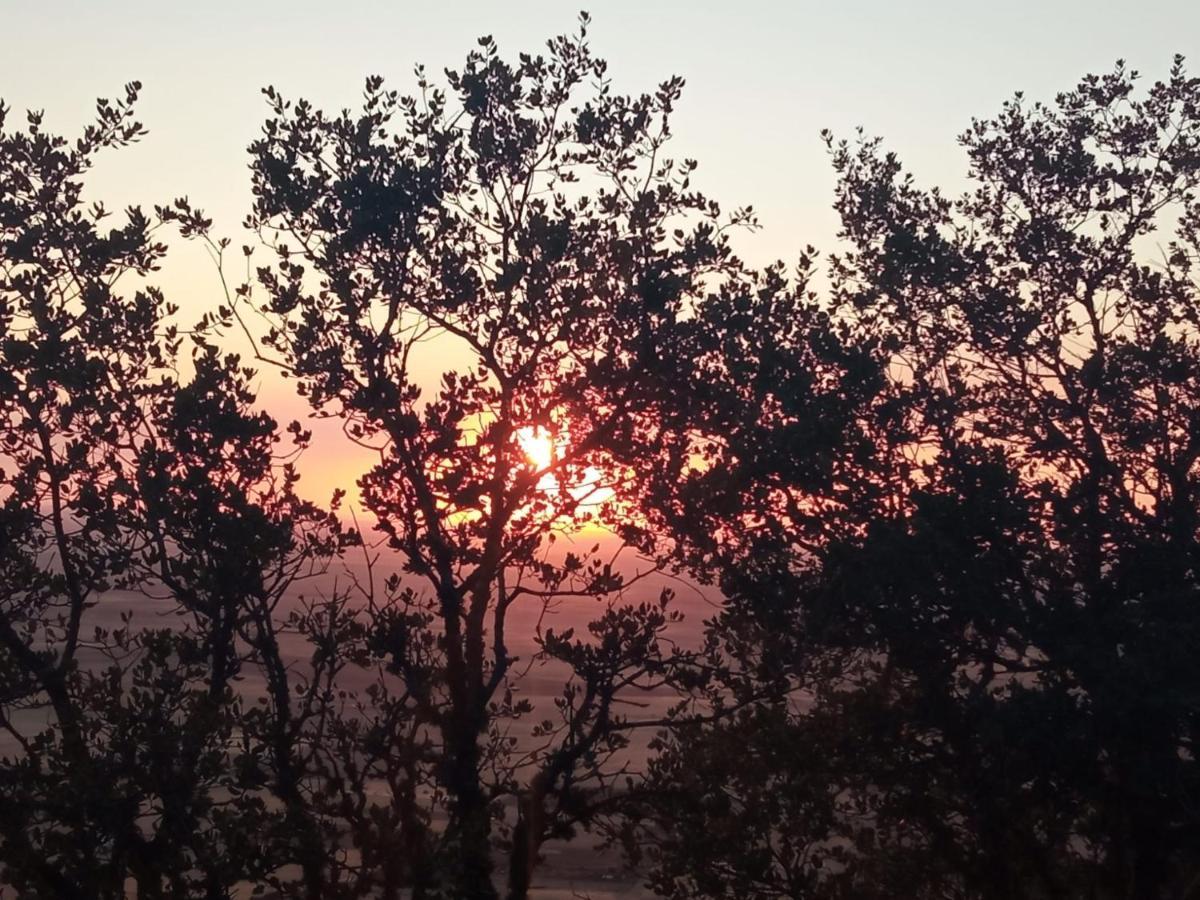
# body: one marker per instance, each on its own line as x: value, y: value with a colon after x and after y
x: 543, y: 449
x: 537, y: 444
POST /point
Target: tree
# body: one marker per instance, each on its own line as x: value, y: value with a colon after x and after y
x: 987, y: 662
x: 528, y: 227
x: 129, y: 756
x: 953, y: 507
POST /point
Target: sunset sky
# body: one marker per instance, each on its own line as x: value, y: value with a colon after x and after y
x: 763, y: 80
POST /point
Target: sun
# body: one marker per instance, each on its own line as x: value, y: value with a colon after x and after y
x: 537, y: 445
x: 544, y: 449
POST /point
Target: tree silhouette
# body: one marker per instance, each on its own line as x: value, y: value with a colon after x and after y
x: 951, y: 503
x: 985, y: 655
x: 529, y: 228
x: 129, y: 756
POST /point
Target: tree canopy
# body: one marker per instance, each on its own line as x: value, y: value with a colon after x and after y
x: 987, y: 662
x: 946, y: 482
x: 130, y: 750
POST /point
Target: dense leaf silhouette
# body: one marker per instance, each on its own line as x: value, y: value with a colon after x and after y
x: 948, y: 487
x: 527, y: 225
x: 986, y: 663
x: 130, y: 756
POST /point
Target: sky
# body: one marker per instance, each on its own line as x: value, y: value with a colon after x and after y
x: 763, y: 79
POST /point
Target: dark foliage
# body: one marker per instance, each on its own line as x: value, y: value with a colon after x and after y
x: 986, y: 660
x: 131, y: 755
x: 952, y: 505
x: 527, y: 227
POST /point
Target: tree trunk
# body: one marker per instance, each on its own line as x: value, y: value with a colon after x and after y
x: 469, y: 831
x: 527, y: 842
